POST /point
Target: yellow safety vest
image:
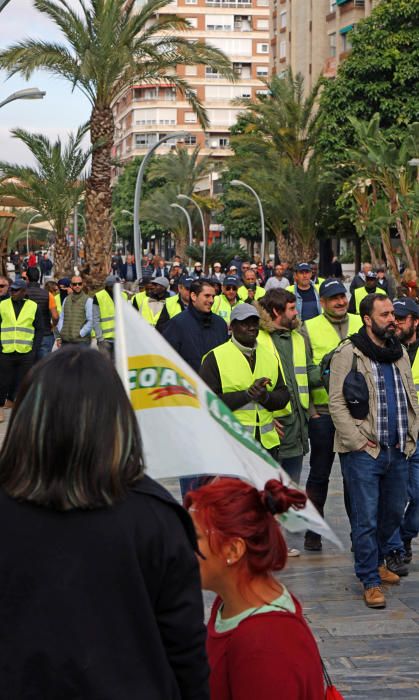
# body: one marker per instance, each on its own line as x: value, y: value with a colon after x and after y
x: 300, y: 368
x: 243, y: 293
x: 415, y: 372
x: 223, y: 308
x: 58, y: 302
x: 139, y: 297
x: 173, y: 307
x: 361, y: 293
x: 147, y: 313
x: 236, y: 375
x: 323, y: 339
x: 17, y: 334
x: 107, y: 313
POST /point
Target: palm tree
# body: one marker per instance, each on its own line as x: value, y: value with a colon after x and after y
x: 52, y: 187
x: 181, y: 170
x: 109, y: 45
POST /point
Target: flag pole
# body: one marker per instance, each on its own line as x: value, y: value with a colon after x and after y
x: 121, y: 356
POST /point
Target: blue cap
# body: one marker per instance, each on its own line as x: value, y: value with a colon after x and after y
x: 18, y: 284
x: 186, y: 281
x: 303, y: 267
x: 405, y: 306
x: 233, y: 280
x: 331, y: 287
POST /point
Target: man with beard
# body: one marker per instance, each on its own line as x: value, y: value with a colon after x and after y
x: 322, y: 335
x: 374, y: 450
x: 151, y: 305
x: 399, y: 547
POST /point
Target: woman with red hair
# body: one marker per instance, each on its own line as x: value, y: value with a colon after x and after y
x: 259, y: 645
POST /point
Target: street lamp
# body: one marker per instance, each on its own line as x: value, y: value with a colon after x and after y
x: 188, y: 219
x: 126, y: 211
x: 3, y: 4
x: 28, y: 94
x: 204, y: 235
x: 137, y: 195
x: 35, y: 216
x: 240, y: 183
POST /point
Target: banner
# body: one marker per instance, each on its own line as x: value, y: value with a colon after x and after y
x: 186, y: 429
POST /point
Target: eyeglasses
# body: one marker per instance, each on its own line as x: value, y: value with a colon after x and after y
x: 77, y: 284
x: 230, y: 288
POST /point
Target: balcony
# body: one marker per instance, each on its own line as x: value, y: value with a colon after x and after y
x: 224, y: 3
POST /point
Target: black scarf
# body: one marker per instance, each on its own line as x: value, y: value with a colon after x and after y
x: 391, y: 352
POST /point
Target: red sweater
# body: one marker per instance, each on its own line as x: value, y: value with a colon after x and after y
x: 268, y: 656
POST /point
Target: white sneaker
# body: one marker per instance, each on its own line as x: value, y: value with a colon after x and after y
x: 293, y: 552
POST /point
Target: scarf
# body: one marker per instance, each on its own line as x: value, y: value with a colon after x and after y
x: 391, y: 352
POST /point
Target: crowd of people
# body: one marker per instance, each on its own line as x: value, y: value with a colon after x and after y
x: 305, y: 366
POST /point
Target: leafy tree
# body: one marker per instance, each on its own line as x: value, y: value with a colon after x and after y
x: 52, y: 187
x: 109, y: 45
x: 218, y: 252
x: 380, y: 75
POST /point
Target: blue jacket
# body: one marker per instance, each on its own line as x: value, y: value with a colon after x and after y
x: 192, y: 334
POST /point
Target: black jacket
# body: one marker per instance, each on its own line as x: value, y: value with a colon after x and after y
x: 102, y: 604
x: 192, y: 334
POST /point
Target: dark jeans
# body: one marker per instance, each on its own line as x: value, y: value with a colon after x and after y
x: 293, y: 466
x: 46, y: 346
x: 13, y: 367
x: 377, y: 491
x: 321, y: 432
x: 409, y: 527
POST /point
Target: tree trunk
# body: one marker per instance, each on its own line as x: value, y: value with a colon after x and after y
x: 406, y: 249
x: 373, y: 254
x: 284, y: 251
x: 180, y: 243
x: 62, y: 256
x: 391, y: 260
x: 99, y: 199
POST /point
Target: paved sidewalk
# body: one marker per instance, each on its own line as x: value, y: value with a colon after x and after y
x: 371, y: 654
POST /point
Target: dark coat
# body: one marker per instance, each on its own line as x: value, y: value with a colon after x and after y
x: 123, y: 271
x: 192, y: 334
x: 102, y: 604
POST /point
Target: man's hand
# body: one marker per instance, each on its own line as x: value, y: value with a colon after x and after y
x: 369, y: 443
x: 59, y: 342
x: 279, y: 428
x: 257, y: 391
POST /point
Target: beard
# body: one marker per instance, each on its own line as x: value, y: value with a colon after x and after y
x: 407, y: 334
x: 389, y: 331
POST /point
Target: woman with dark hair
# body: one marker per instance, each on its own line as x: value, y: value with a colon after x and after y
x: 99, y: 584
x: 259, y: 645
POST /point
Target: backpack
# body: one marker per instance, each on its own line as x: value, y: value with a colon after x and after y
x: 355, y: 388
x: 325, y: 365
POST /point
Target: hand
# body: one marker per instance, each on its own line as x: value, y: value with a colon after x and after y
x: 369, y: 443
x: 59, y: 342
x: 250, y: 293
x: 279, y: 428
x: 257, y: 391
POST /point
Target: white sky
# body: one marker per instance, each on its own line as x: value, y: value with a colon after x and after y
x: 60, y: 112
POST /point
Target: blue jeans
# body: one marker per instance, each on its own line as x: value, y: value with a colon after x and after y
x: 377, y: 490
x: 409, y: 527
x: 293, y: 466
x: 45, y: 347
x: 321, y: 432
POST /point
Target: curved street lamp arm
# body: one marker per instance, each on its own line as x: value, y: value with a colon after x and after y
x: 204, y: 234
x: 188, y: 218
x: 240, y: 183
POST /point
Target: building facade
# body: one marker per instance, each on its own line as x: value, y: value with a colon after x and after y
x: 313, y: 36
x: 144, y: 113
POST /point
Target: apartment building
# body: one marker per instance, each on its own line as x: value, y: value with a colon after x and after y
x: 313, y: 36
x: 144, y: 113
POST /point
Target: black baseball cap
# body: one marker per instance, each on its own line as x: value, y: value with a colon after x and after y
x: 404, y: 307
x: 186, y: 281
x: 331, y: 287
x: 18, y: 284
x: 232, y: 280
x: 303, y: 267
x: 371, y: 275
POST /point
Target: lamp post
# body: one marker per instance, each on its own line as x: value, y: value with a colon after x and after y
x: 35, y: 216
x: 240, y: 183
x: 138, y: 187
x: 188, y: 219
x: 27, y: 94
x: 204, y: 235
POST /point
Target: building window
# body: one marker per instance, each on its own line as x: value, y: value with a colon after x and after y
x: 262, y: 71
x: 282, y: 49
x: 262, y: 48
x: 262, y: 24
x: 191, y: 2
x: 332, y: 45
x: 189, y: 140
x: 224, y: 142
x: 190, y: 118
x: 262, y: 3
x: 193, y: 21
x: 264, y: 93
x: 283, y: 20
x: 346, y: 34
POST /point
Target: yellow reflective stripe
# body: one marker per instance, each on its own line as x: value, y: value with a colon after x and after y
x: 17, y: 342
x: 21, y: 329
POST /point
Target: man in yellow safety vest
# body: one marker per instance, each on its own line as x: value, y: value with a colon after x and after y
x: 152, y: 304
x: 104, y: 315
x: 225, y: 302
x: 250, y: 291
x: 371, y: 287
x: 323, y: 334
x: 21, y: 331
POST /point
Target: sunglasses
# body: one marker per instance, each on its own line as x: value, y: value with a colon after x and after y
x: 3, y: 285
x: 229, y: 288
x: 77, y: 284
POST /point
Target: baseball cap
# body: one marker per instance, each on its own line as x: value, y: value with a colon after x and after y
x: 243, y: 311
x: 64, y: 282
x: 197, y: 264
x: 186, y: 281
x: 331, y: 287
x: 111, y: 280
x: 18, y: 284
x: 231, y: 279
x: 217, y: 264
x: 175, y: 264
x: 404, y: 307
x: 303, y: 267
x: 162, y: 281
x: 371, y: 275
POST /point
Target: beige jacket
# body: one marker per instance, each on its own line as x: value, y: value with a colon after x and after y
x: 352, y: 434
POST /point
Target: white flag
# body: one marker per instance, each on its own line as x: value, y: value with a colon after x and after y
x: 186, y: 429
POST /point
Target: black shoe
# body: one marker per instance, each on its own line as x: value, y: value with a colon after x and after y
x: 395, y: 563
x: 407, y: 551
x: 312, y: 542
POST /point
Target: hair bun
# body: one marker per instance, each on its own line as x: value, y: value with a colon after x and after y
x: 278, y: 498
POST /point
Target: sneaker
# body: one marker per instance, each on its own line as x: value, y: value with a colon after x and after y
x: 293, y: 552
x: 374, y: 597
x: 407, y: 551
x: 388, y: 576
x: 312, y: 542
x: 2, y: 419
x: 395, y: 563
